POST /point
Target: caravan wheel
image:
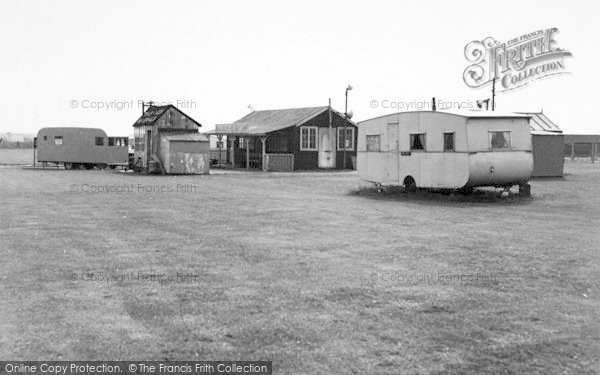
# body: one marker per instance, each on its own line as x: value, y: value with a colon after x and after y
x: 410, y: 184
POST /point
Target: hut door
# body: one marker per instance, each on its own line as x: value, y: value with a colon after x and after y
x: 148, y: 146
x: 326, y: 147
x: 393, y: 154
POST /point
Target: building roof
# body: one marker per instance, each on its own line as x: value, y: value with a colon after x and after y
x: 485, y: 114
x: 463, y: 113
x: 154, y: 112
x: 263, y: 122
x: 189, y: 137
x: 541, y: 123
x: 582, y: 138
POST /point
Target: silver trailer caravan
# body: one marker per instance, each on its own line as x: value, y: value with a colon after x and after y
x: 442, y: 150
x: 81, y: 147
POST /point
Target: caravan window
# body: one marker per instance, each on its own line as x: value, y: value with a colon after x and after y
x: 58, y: 140
x: 99, y: 141
x: 373, y: 143
x: 448, y: 141
x: 499, y: 140
x: 111, y: 141
x: 417, y: 141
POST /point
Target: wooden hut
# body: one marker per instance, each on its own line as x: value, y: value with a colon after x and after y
x: 290, y: 139
x: 167, y: 141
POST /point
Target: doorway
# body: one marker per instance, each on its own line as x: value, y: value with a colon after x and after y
x: 393, y: 154
x: 326, y: 147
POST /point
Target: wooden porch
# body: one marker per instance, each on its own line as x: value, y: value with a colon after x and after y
x: 249, y: 152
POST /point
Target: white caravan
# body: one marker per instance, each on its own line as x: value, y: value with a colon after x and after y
x: 442, y: 150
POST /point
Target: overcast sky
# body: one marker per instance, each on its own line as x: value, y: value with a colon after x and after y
x: 217, y: 58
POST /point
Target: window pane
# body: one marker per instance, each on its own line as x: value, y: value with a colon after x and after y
x: 111, y: 141
x: 99, y: 141
x: 304, y: 140
x: 350, y: 138
x: 58, y: 140
x: 448, y: 141
x: 373, y: 143
x: 417, y: 141
x: 313, y: 138
x: 500, y: 140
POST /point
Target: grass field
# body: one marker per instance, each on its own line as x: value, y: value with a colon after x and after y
x: 309, y: 270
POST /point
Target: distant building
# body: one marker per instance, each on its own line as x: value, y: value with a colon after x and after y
x: 289, y: 139
x: 582, y: 145
x: 16, y: 137
x: 16, y: 140
x: 547, y: 143
x: 168, y: 141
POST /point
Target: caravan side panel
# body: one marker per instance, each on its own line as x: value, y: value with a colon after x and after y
x: 372, y: 164
x: 499, y: 167
x: 71, y: 145
x: 434, y: 167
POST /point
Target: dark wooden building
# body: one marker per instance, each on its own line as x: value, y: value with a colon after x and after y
x: 290, y: 139
x: 167, y: 141
x: 547, y: 143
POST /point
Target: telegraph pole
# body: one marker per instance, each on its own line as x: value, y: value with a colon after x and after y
x: 494, y: 93
x: 345, y: 126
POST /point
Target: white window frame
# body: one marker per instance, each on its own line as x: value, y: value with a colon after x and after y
x: 304, y: 147
x: 341, y: 128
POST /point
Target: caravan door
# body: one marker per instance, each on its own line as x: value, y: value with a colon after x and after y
x: 393, y: 154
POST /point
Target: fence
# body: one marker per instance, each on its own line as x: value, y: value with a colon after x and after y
x: 280, y: 162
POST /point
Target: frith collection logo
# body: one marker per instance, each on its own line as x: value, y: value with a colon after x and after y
x: 516, y: 62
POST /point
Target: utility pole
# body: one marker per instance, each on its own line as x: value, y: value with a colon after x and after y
x: 494, y: 92
x: 331, y: 137
x: 345, y: 126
